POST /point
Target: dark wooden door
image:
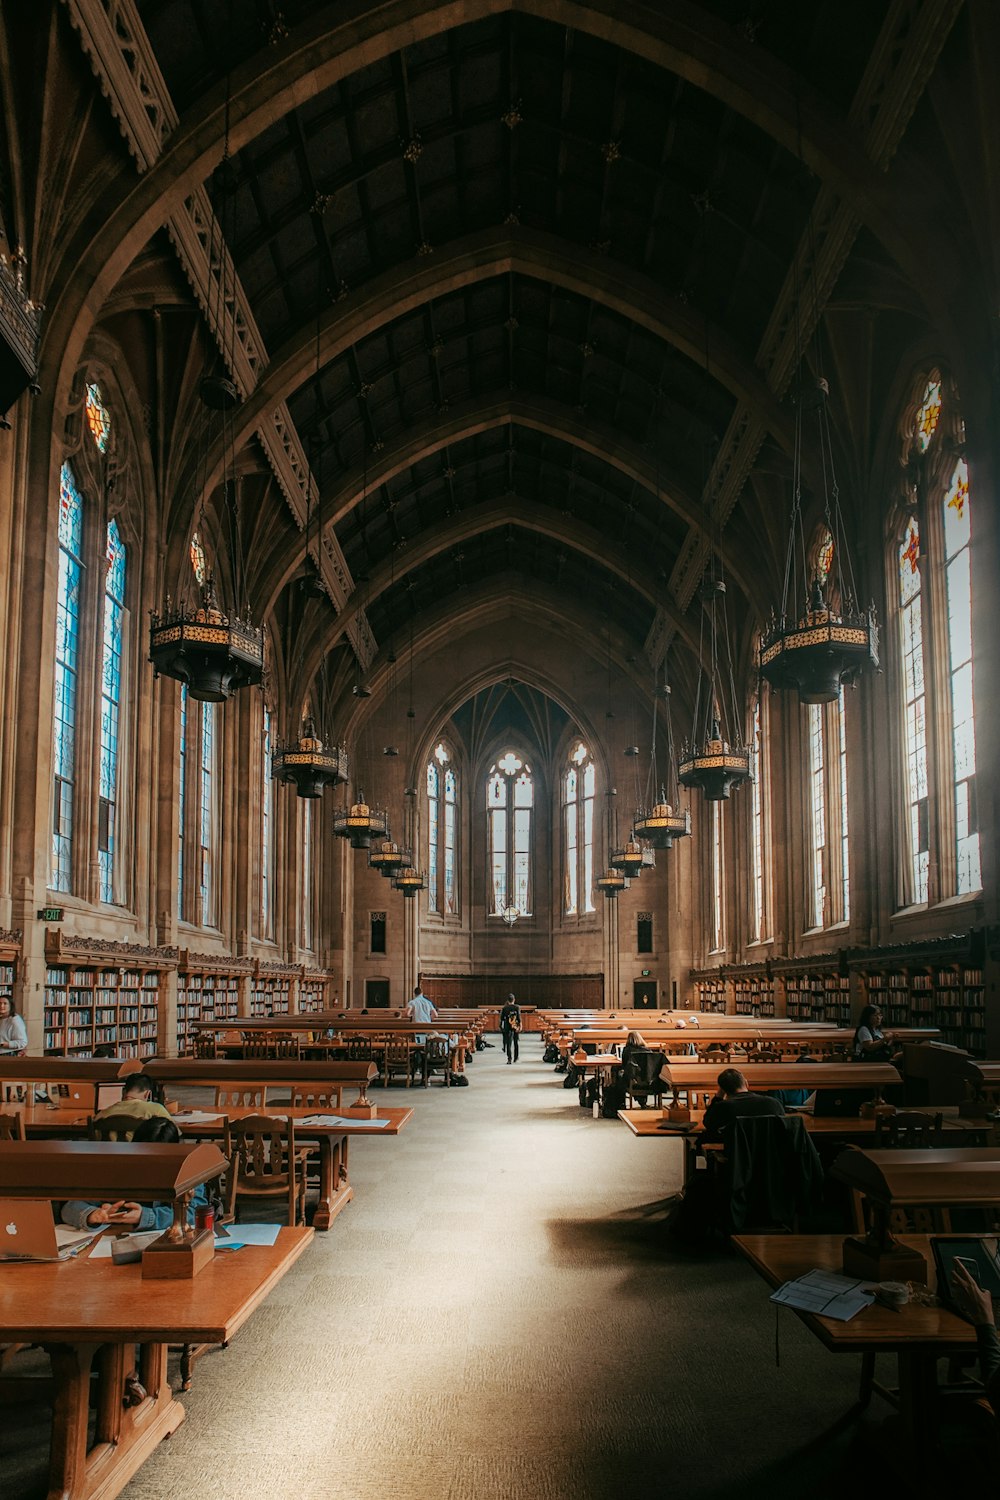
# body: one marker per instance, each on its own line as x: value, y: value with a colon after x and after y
x: 644, y: 994
x: 376, y: 994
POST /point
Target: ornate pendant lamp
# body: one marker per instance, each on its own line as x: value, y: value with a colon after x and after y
x: 630, y: 860
x: 359, y: 823
x: 388, y: 858
x: 816, y: 652
x: 408, y: 879
x: 308, y: 765
x: 611, y: 883
x: 714, y: 761
x: 214, y: 648
x: 658, y: 820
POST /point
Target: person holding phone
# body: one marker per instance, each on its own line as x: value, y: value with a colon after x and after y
x: 135, y: 1215
x: 977, y: 1305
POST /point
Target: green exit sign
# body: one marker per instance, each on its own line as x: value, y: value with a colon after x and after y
x: 645, y: 973
x: 50, y: 914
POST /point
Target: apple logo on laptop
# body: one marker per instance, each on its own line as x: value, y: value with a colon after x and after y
x: 11, y: 1227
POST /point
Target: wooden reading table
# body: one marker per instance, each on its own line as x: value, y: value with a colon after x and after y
x: 918, y: 1336
x: 90, y: 1314
x: 335, y: 1191
x: 692, y: 1076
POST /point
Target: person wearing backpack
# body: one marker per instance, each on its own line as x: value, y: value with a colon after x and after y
x: 510, y: 1027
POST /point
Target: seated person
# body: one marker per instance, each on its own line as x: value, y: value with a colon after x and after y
x: 871, y: 1043
x: 135, y: 1215
x: 977, y: 1305
x: 13, y: 1032
x: 735, y: 1101
x: 142, y: 1099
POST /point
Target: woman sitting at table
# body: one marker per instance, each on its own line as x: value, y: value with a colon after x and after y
x: 13, y: 1032
x: 871, y: 1043
x: 136, y: 1215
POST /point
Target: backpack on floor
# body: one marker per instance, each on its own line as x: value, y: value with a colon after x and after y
x: 551, y: 1053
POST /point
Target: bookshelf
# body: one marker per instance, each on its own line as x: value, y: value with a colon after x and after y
x: 710, y: 993
x: 959, y: 998
x: 754, y: 995
x: 312, y: 992
x: 10, y: 953
x: 95, y: 1005
x: 207, y: 990
x: 271, y: 990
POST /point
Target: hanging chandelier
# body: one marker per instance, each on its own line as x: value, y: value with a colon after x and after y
x: 388, y: 858
x: 409, y: 879
x: 359, y: 823
x: 657, y: 823
x: 611, y: 883
x: 823, y: 648
x: 211, y: 651
x: 308, y: 765
x: 714, y: 761
x: 631, y: 859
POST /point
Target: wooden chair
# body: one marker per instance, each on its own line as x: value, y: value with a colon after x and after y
x: 317, y: 1096
x: 11, y: 1127
x: 398, y: 1059
x: 258, y: 1045
x: 206, y: 1044
x: 112, y: 1127
x: 264, y: 1162
x: 241, y: 1096
x: 908, y: 1131
x: 437, y: 1058
x: 359, y: 1049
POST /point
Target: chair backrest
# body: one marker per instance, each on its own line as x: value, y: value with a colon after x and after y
x: 359, y: 1048
x: 11, y: 1127
x: 112, y: 1127
x: 206, y: 1044
x: 322, y: 1096
x: 259, y: 1045
x: 262, y: 1149
x: 241, y: 1096
x: 397, y: 1052
x: 437, y: 1050
x: 910, y: 1131
x: 285, y: 1047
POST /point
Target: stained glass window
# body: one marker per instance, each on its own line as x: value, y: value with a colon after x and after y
x: 845, y: 850
x: 928, y: 415
x: 958, y: 581
x: 66, y: 672
x: 756, y: 829
x: 914, y: 726
x: 111, y: 675
x: 450, y: 810
x: 206, y: 814
x: 817, y: 809
x: 182, y: 801
x: 718, y: 935
x: 824, y: 556
x: 509, y: 803
x: 98, y: 419
x: 266, y: 827
x: 198, y: 563
x: 306, y: 901
x: 578, y: 822
x: 433, y: 816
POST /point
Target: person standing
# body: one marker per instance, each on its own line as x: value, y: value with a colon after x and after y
x: 510, y: 1027
x: 13, y: 1032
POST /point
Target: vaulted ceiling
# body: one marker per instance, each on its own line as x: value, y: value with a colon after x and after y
x: 530, y: 281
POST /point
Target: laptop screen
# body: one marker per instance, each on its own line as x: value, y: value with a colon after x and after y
x: 108, y: 1094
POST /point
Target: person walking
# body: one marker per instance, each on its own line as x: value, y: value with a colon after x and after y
x: 510, y: 1027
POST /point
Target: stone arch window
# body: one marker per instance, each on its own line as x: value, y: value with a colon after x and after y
x: 930, y: 562
x: 108, y: 843
x: 579, y: 784
x: 510, y: 799
x: 442, y: 832
x: 67, y: 654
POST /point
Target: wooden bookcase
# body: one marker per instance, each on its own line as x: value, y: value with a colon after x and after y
x: 754, y: 994
x: 710, y: 993
x: 271, y: 990
x: 10, y: 954
x: 312, y: 991
x: 92, y: 1002
x: 207, y: 990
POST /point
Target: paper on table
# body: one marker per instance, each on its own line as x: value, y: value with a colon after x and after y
x: 102, y: 1250
x: 826, y: 1294
x: 330, y: 1121
x: 197, y: 1116
x: 248, y: 1234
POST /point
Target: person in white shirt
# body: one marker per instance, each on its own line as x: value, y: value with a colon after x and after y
x: 13, y: 1032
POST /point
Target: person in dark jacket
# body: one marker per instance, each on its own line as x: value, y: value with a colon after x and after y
x: 735, y: 1101
x: 510, y: 1027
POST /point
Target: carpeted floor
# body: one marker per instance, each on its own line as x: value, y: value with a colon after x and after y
x: 497, y: 1316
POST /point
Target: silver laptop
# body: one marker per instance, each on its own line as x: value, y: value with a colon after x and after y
x: 28, y: 1232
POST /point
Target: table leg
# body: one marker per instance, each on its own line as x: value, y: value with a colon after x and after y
x: 918, y: 1402
x: 124, y: 1437
x: 335, y: 1190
